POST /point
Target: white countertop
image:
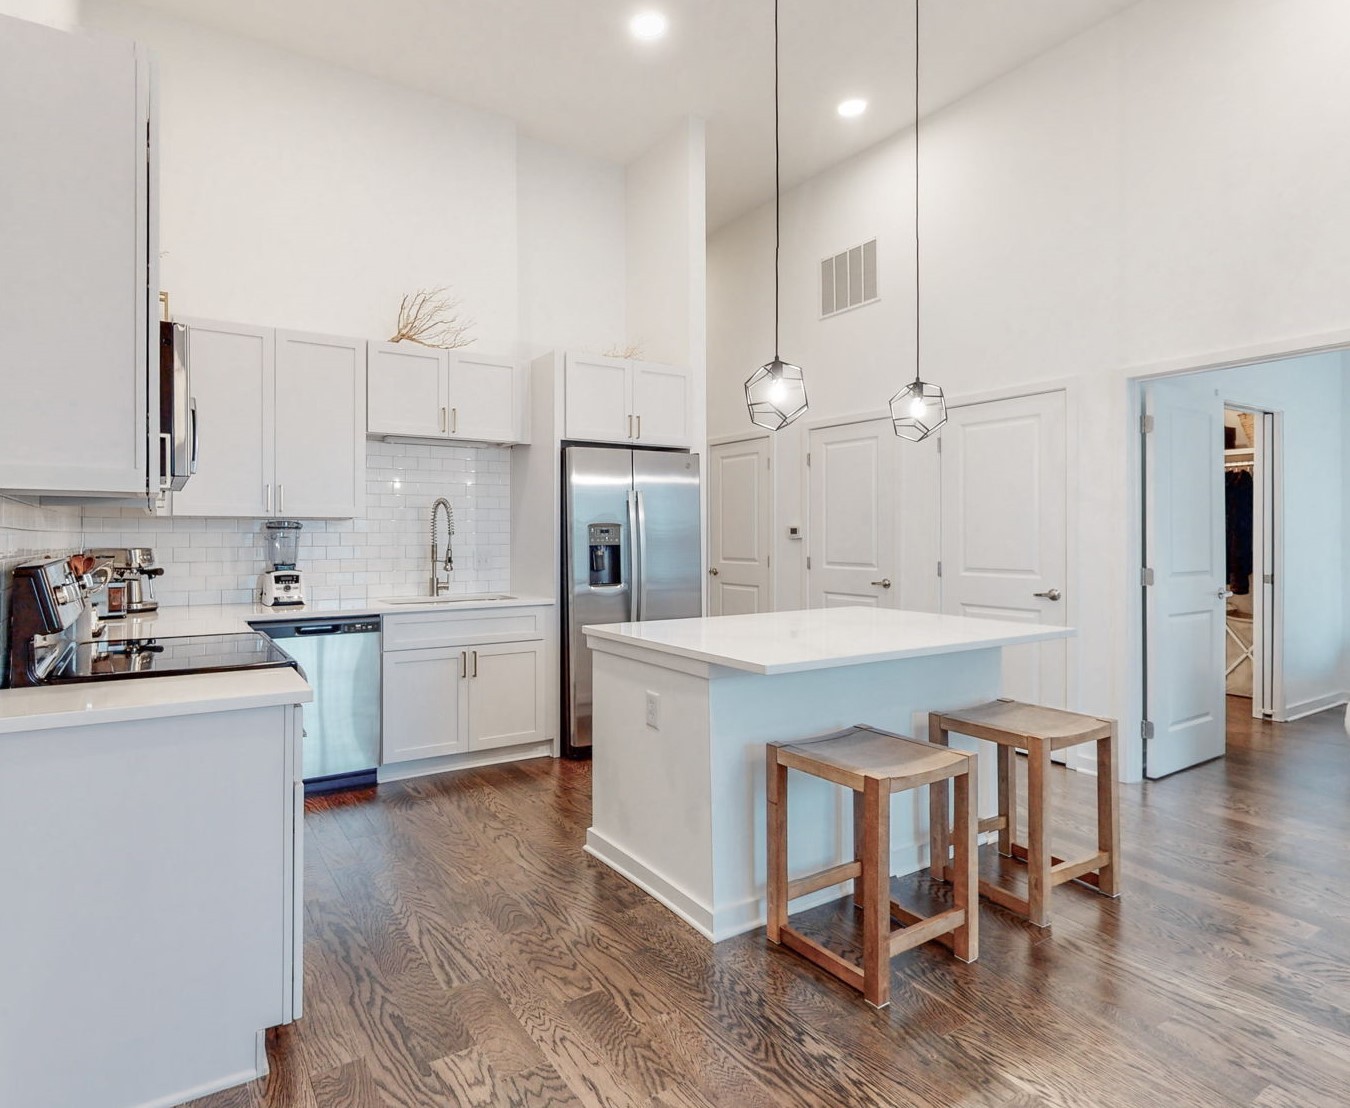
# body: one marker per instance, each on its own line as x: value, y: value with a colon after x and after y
x: 94, y: 702
x: 819, y: 638
x: 225, y: 619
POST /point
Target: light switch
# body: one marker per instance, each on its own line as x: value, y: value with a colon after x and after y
x: 653, y: 710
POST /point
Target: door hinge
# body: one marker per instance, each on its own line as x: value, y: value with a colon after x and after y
x: 1146, y: 728
x: 808, y: 459
x: 768, y: 463
x: 808, y: 561
x: 1146, y: 424
x: 768, y: 560
x: 939, y: 569
x: 1146, y: 577
x: 1268, y: 578
x: 939, y: 445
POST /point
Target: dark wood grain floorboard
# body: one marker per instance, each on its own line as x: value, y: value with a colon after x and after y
x: 461, y: 949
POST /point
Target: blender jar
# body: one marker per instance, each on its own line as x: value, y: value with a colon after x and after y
x: 283, y: 538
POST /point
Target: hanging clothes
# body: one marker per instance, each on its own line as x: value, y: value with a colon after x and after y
x: 1238, y: 489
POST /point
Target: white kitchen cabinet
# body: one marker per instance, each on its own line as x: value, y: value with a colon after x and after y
x: 417, y: 392
x: 80, y: 272
x: 233, y: 376
x: 620, y: 400
x: 281, y: 423
x: 458, y: 682
x: 320, y: 425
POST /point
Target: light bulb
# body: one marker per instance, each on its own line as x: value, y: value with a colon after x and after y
x: 648, y: 26
x: 777, y: 391
x: 917, y: 407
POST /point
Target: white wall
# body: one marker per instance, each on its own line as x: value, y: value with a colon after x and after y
x: 62, y: 14
x: 1159, y: 190
x: 1310, y: 392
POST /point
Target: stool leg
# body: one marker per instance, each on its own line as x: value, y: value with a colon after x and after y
x: 876, y: 894
x: 938, y: 819
x: 1007, y: 799
x: 966, y: 867
x: 776, y: 842
x: 859, y: 828
x: 1108, y: 815
x: 1038, y: 833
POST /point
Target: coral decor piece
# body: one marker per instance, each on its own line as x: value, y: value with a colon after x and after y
x: 431, y: 317
x: 624, y: 350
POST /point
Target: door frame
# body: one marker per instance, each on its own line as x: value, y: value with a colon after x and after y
x: 772, y: 509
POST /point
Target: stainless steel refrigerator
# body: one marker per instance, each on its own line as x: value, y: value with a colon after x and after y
x: 632, y: 550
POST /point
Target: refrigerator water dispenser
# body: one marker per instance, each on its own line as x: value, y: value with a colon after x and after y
x: 604, y: 555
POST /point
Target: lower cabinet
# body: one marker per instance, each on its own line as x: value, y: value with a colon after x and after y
x: 455, y: 699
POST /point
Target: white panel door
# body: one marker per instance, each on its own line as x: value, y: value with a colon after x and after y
x: 233, y: 381
x: 739, y: 528
x: 320, y: 425
x: 405, y: 390
x: 75, y: 344
x: 1004, y: 530
x: 662, y: 405
x: 1186, y: 604
x: 424, y: 703
x: 597, y: 399
x: 851, y: 543
x: 506, y: 698
x: 484, y: 398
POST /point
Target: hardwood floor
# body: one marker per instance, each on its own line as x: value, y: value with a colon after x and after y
x: 462, y: 950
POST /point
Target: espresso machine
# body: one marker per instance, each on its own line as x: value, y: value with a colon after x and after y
x: 282, y: 585
x: 130, y: 588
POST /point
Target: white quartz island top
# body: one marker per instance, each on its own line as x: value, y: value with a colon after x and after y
x: 819, y: 638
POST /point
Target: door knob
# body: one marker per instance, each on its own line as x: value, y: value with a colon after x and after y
x: 1049, y: 594
x: 713, y: 572
x: 885, y: 582
x: 1225, y: 592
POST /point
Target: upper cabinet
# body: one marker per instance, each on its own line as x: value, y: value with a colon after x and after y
x: 78, y: 265
x: 418, y: 392
x: 621, y: 400
x: 282, y: 429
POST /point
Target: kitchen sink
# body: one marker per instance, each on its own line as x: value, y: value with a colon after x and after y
x: 476, y: 598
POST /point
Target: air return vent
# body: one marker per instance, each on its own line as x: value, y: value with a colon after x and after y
x: 849, y: 279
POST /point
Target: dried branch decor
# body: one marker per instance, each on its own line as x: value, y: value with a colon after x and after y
x: 621, y: 350
x: 430, y: 317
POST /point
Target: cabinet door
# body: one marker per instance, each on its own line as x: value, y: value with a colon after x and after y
x: 424, y: 703
x: 320, y: 425
x: 662, y: 405
x: 74, y: 313
x: 505, y: 695
x: 484, y: 398
x: 232, y: 379
x: 597, y: 399
x: 405, y: 390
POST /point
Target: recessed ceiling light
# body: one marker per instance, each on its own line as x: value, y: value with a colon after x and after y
x: 852, y: 107
x: 648, y: 26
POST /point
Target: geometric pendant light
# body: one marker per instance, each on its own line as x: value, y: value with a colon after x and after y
x: 775, y: 393
x: 919, y: 408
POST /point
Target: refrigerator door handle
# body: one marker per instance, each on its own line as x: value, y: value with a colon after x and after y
x: 634, y: 557
x: 642, y: 554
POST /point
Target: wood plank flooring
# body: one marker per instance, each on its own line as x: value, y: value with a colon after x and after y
x: 462, y: 950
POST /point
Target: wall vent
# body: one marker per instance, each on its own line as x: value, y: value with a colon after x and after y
x: 848, y: 279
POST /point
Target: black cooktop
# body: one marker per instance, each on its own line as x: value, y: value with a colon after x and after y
x: 168, y: 657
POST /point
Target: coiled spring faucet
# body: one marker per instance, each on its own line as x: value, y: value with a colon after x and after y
x: 437, y: 586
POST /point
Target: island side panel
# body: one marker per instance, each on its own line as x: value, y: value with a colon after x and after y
x: 749, y: 710
x: 144, y: 872
x: 650, y: 786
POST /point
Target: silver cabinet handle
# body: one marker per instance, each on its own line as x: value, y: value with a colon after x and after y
x: 630, y: 425
x: 281, y: 497
x: 442, y: 421
x: 475, y: 663
x: 885, y: 582
x: 1049, y: 594
x: 454, y: 421
x: 268, y: 496
x: 639, y: 428
x: 714, y: 572
x: 464, y: 663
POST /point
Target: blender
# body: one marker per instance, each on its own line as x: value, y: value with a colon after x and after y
x: 282, y: 585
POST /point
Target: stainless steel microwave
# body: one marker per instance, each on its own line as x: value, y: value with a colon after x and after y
x: 179, y: 434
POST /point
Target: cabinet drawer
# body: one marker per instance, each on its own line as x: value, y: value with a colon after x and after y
x: 427, y: 629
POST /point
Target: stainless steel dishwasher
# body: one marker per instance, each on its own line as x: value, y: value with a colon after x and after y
x: 341, y: 661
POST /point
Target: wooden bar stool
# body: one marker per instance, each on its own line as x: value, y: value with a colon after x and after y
x: 1040, y: 731
x: 874, y: 764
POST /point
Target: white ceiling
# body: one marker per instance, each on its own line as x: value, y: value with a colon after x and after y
x: 568, y: 72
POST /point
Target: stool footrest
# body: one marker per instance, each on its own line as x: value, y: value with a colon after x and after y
x: 1084, y: 869
x: 835, y: 875
x: 825, y: 958
x: 901, y: 914
x: 993, y: 823
x: 1004, y: 899
x: 929, y: 927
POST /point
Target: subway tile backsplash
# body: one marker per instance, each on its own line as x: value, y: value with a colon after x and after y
x: 386, y: 553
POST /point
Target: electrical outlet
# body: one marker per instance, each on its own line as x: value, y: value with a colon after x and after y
x: 653, y: 710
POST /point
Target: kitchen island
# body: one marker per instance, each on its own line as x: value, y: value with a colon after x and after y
x: 683, y: 709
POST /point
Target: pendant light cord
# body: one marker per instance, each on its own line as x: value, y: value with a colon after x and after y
x: 917, y: 324
x: 777, y: 188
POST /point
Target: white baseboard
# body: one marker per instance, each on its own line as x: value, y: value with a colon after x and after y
x: 401, y: 771
x: 1313, y: 706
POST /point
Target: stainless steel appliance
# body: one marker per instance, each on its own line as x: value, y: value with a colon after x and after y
x: 632, y: 550
x: 179, y: 437
x: 46, y: 603
x: 341, y: 660
x: 283, y: 585
x: 132, y: 573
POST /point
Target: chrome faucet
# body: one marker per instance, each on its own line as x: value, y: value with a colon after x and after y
x: 436, y: 585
